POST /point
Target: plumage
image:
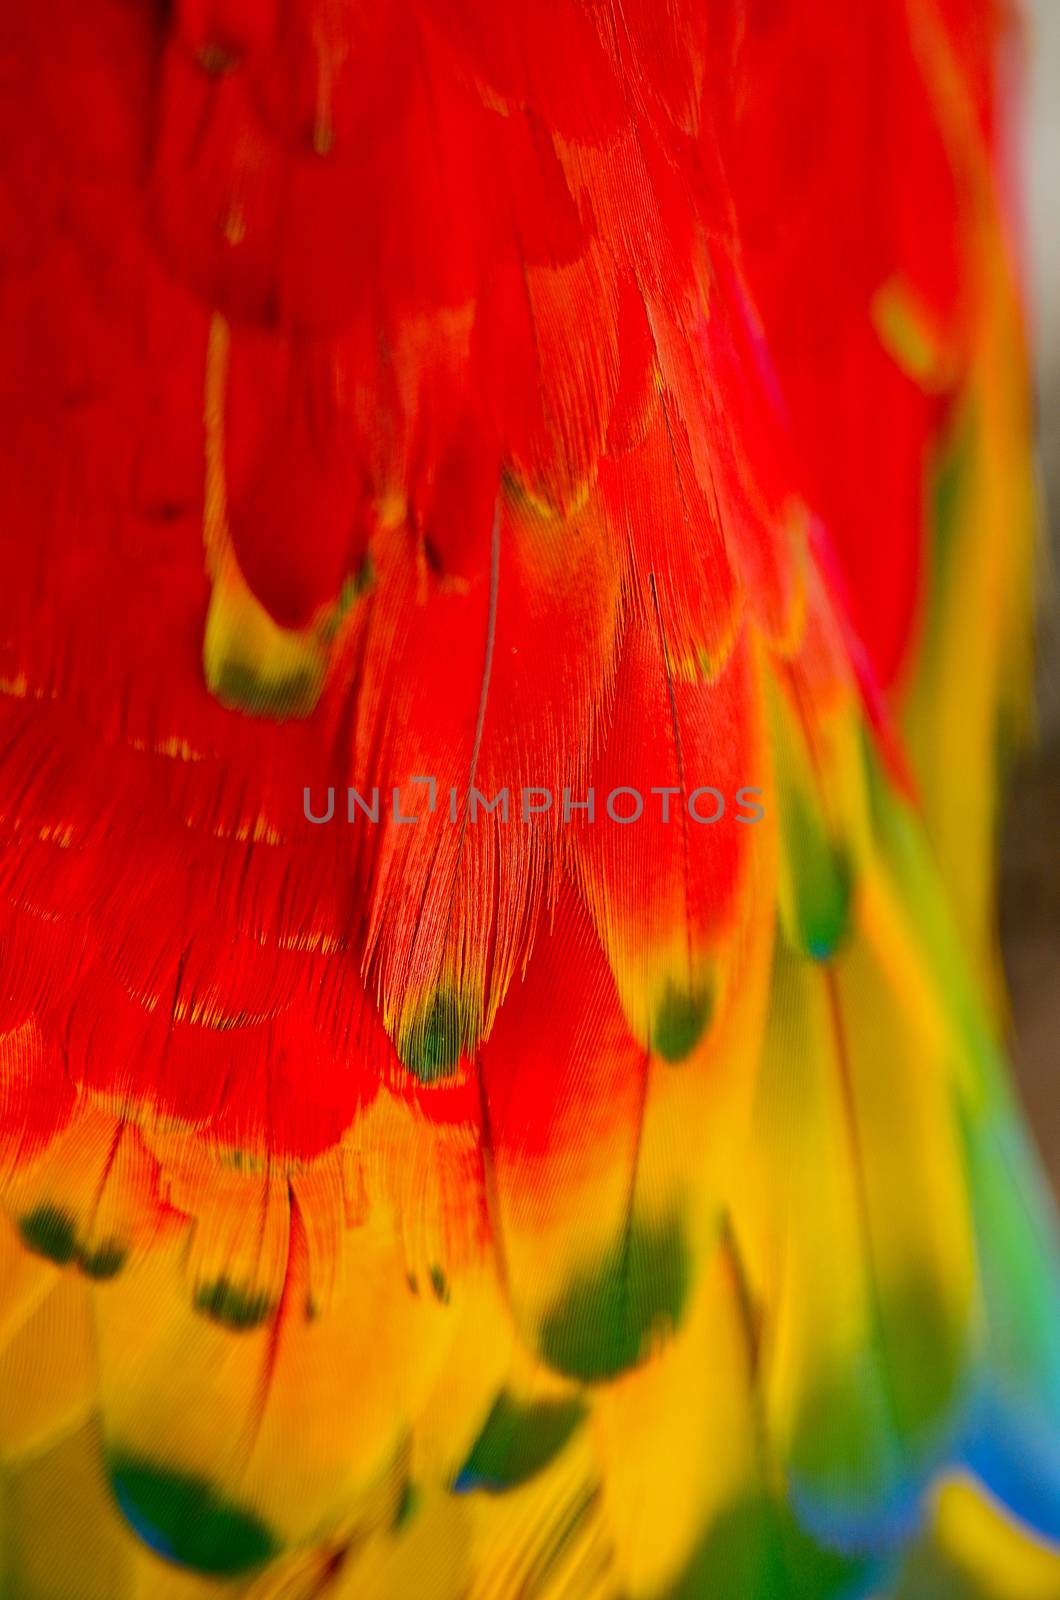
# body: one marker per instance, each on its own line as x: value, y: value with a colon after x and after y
x: 515, y: 528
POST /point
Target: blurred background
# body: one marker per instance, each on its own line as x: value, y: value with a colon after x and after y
x: 1030, y: 890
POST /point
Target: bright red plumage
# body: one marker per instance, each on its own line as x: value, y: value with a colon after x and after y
x: 512, y: 399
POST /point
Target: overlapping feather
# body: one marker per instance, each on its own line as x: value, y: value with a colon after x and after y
x: 448, y: 401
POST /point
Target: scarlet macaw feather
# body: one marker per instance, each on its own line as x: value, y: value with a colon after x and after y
x: 496, y: 1097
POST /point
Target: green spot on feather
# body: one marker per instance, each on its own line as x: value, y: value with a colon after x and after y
x: 518, y: 1441
x: 106, y: 1261
x: 244, y: 688
x: 184, y: 1518
x: 822, y: 879
x: 680, y: 1021
x: 603, y: 1323
x: 431, y: 1044
x: 817, y: 868
x: 408, y: 1506
x: 236, y: 1308
x: 440, y: 1285
x: 49, y: 1231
